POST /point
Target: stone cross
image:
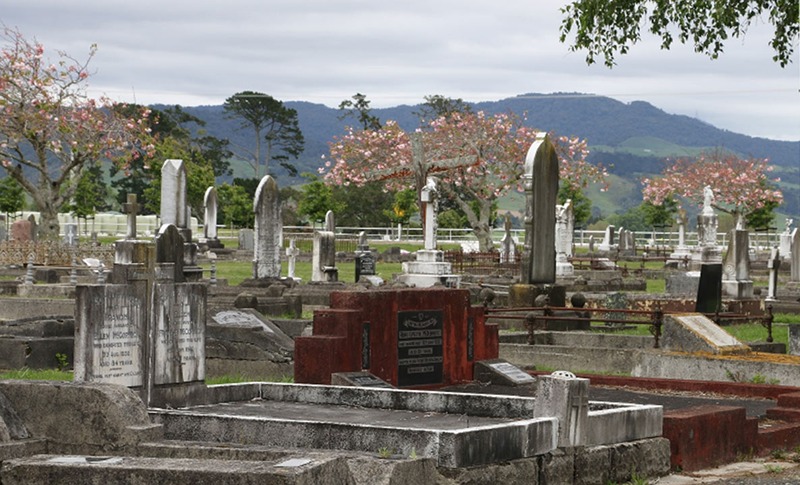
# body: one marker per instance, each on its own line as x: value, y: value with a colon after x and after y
x: 540, y: 180
x: 268, y: 230
x: 430, y: 201
x: 774, y: 265
x: 131, y: 208
x: 507, y: 246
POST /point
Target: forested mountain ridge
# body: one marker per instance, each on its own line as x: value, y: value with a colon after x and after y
x: 634, y: 138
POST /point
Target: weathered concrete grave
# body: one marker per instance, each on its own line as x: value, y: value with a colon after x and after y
x: 693, y: 332
x: 243, y: 342
x: 145, y: 330
x: 413, y: 338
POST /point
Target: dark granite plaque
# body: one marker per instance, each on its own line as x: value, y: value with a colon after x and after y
x: 709, y: 291
x: 419, y: 347
x: 365, y: 264
x: 359, y: 379
x: 365, y: 346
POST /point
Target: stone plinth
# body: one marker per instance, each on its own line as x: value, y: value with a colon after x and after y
x: 693, y: 332
x: 428, y: 270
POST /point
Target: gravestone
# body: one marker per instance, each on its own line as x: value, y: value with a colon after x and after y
x: 174, y: 209
x: 292, y: 252
x: 736, y: 281
x: 608, y: 243
x: 682, y: 252
x: 359, y: 379
x: 502, y: 373
x: 145, y: 330
x: 21, y: 231
x: 268, y: 230
x: 795, y: 272
x: 786, y: 240
x: 564, y: 221
x: 71, y: 234
x: 566, y: 397
x: 210, y: 238
x: 323, y: 257
x: 774, y: 264
x: 414, y: 338
x: 540, y: 180
x: 246, y: 238
x: 249, y: 335
x: 709, y: 290
x: 3, y: 230
x: 34, y: 227
x: 707, y: 250
x: 508, y: 247
x: 365, y: 261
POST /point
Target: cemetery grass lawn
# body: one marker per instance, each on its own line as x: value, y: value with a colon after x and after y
x: 745, y: 332
x: 37, y: 374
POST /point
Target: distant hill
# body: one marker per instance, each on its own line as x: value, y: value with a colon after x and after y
x: 634, y: 138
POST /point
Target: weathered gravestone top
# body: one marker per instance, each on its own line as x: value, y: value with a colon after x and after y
x: 173, y: 194
x: 268, y: 230
x: 541, y: 188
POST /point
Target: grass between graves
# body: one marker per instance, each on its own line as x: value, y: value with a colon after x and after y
x: 37, y: 374
x: 745, y: 332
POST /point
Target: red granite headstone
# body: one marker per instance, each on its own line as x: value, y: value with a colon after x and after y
x: 22, y: 231
x: 411, y: 338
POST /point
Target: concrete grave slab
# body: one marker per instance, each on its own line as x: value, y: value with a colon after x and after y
x: 694, y: 332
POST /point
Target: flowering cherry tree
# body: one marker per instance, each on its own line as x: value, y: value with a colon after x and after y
x: 477, y: 158
x: 50, y: 129
x: 739, y: 186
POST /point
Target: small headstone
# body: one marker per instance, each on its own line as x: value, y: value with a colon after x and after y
x: 210, y: 219
x: 774, y: 264
x: 131, y: 208
x: 736, y: 280
x: 268, y: 230
x: 365, y: 259
x: 71, y: 234
x: 709, y: 290
x: 21, y: 231
x: 501, y: 372
x: 795, y: 273
x: 34, y: 227
x: 292, y: 252
x: 323, y: 258
x: 566, y: 397
x: 3, y: 231
x: 246, y: 239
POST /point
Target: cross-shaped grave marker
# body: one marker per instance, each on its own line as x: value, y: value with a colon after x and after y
x: 131, y: 208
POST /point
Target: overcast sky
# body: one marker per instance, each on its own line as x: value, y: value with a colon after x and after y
x: 324, y: 51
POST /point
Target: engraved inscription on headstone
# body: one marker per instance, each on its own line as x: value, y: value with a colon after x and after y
x: 513, y: 373
x: 419, y: 347
x: 180, y: 333
x: 109, y: 340
x: 365, y: 264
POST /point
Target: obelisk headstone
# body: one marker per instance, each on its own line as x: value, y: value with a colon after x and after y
x: 540, y: 180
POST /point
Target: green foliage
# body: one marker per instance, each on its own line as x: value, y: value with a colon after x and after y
x: 660, y: 215
x: 235, y: 206
x: 452, y: 219
x: 762, y: 218
x: 359, y: 109
x: 437, y: 105
x: 363, y: 206
x: 37, y: 374
x: 12, y: 195
x: 403, y: 207
x: 633, y: 219
x: 91, y: 193
x: 62, y: 362
x: 316, y: 201
x: 272, y: 122
x: 606, y: 29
